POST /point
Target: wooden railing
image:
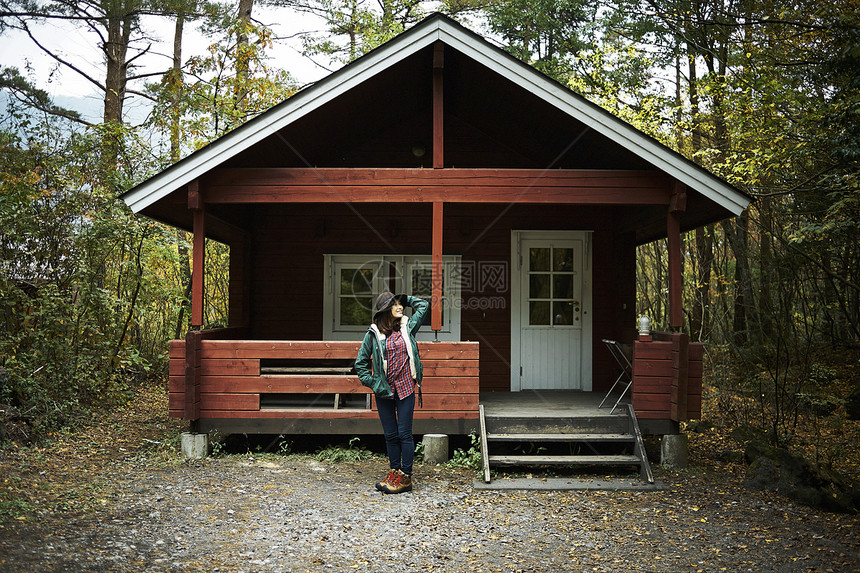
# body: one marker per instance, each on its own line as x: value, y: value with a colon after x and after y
x: 216, y: 379
x: 667, y: 377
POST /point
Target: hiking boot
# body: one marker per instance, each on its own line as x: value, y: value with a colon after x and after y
x: 399, y: 484
x: 384, y: 483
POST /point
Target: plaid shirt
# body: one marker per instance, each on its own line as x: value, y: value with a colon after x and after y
x: 399, y: 376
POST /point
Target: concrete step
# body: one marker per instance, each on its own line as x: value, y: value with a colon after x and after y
x: 620, y: 460
x: 568, y: 484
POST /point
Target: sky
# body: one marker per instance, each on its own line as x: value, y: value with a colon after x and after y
x: 78, y: 46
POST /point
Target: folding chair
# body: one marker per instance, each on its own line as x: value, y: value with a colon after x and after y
x: 623, y: 355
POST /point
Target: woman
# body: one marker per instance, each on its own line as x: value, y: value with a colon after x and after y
x: 388, y: 364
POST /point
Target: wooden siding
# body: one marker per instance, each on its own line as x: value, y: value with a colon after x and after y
x: 229, y: 381
x: 289, y: 242
x: 667, y: 377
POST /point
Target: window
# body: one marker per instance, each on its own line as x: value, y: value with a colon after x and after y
x: 352, y: 282
x: 551, y: 293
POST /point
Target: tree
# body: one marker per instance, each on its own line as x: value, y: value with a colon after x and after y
x: 71, y: 277
x: 353, y: 27
x: 229, y: 85
x: 116, y: 24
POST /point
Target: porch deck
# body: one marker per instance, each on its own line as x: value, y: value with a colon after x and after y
x: 546, y: 403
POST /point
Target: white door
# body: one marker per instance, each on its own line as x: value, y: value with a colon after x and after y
x: 552, y: 312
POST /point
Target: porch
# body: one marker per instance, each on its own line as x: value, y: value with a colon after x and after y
x: 233, y: 385
x: 221, y: 382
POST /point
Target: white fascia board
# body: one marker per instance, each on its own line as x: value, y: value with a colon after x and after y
x: 600, y: 120
x: 269, y: 123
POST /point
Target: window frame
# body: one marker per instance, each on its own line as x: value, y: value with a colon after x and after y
x: 393, y: 272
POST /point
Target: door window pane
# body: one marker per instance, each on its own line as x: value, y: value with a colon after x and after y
x: 562, y: 260
x: 562, y: 313
x: 551, y: 287
x: 562, y: 286
x: 538, y: 313
x: 539, y: 286
x: 539, y: 259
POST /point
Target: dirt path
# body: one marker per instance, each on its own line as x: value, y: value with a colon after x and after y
x: 99, y: 503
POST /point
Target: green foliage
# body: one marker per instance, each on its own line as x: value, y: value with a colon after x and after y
x: 30, y: 98
x: 548, y: 34
x: 226, y: 87
x: 353, y: 28
x: 469, y: 458
x: 285, y: 447
x: 72, y: 280
x: 351, y: 452
x: 620, y: 79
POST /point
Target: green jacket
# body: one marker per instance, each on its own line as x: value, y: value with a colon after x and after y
x: 371, y: 364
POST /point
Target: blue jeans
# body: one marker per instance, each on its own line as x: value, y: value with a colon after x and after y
x: 396, y: 417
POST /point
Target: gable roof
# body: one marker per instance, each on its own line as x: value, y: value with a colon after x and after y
x: 436, y: 28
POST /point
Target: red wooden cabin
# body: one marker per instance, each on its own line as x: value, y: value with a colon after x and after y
x: 439, y: 166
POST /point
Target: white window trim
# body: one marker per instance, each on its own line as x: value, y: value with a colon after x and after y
x: 401, y: 266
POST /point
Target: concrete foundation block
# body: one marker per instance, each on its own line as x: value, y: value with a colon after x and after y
x: 435, y: 448
x: 675, y: 451
x: 195, y: 446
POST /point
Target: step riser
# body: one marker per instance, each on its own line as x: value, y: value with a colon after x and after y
x: 495, y: 464
x: 538, y: 460
x: 562, y: 438
x: 602, y: 425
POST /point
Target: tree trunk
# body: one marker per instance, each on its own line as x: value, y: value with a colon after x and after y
x: 744, y: 315
x: 243, y: 56
x: 700, y: 320
x: 176, y: 83
x: 765, y: 266
x: 119, y: 24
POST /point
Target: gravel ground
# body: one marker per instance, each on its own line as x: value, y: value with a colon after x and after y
x: 293, y: 513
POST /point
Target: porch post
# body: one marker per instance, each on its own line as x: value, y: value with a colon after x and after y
x: 436, y: 280
x: 677, y: 205
x: 195, y: 204
x: 438, y: 163
x: 438, y: 115
x: 191, y: 407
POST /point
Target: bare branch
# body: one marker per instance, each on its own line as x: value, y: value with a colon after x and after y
x: 142, y: 94
x: 61, y: 60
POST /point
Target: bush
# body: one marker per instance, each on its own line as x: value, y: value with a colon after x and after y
x: 470, y: 458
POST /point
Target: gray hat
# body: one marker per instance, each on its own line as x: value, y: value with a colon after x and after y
x: 385, y: 301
